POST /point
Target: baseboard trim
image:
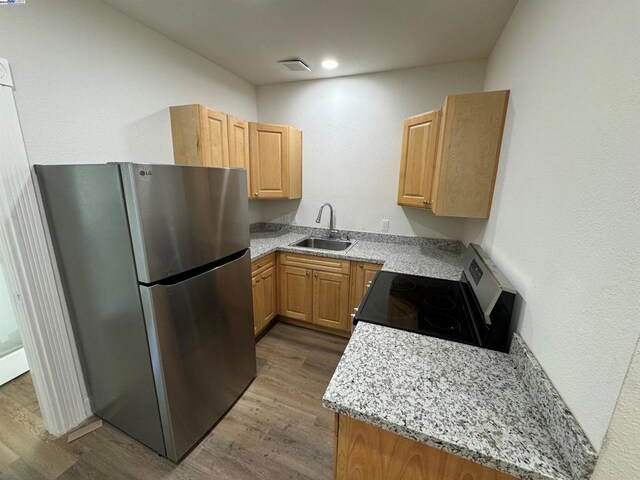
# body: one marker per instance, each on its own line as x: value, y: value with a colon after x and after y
x: 13, y: 365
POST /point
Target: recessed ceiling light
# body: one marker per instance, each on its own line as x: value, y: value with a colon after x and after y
x: 330, y: 64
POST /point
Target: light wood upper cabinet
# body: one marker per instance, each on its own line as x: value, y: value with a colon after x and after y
x: 469, y: 150
x: 217, y: 138
x: 276, y: 161
x: 418, y: 159
x: 200, y: 136
x: 458, y: 180
x: 238, y: 131
x: 238, y: 142
x: 331, y: 300
x: 361, y: 275
x: 271, y: 154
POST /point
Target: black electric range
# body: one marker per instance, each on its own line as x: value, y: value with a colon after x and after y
x: 475, y: 310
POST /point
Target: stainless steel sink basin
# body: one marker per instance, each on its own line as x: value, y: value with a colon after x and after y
x: 323, y: 243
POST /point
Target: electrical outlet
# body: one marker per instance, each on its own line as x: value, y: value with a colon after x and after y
x: 385, y: 226
x: 286, y: 218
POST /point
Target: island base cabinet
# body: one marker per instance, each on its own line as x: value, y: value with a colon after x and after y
x: 365, y: 452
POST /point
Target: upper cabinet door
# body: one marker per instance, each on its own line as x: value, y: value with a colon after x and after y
x: 238, y: 143
x: 216, y: 152
x: 200, y: 136
x: 188, y: 136
x: 239, y: 146
x: 269, y: 160
x: 469, y: 149
x: 417, y: 162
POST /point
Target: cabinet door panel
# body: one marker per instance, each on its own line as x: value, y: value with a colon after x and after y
x: 239, y: 146
x: 361, y: 275
x: 257, y: 295
x: 296, y: 293
x: 269, y: 153
x: 269, y: 301
x: 417, y: 162
x: 331, y: 300
x: 472, y: 128
x: 217, y: 151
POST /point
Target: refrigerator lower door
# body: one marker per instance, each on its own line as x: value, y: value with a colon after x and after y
x: 202, y: 349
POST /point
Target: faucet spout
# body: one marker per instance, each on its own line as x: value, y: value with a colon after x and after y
x: 332, y: 228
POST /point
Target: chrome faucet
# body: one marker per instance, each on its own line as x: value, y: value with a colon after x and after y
x: 332, y: 225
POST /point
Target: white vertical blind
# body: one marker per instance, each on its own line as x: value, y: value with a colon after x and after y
x: 31, y: 275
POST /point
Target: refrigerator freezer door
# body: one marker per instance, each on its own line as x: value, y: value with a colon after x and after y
x: 202, y: 349
x: 184, y: 217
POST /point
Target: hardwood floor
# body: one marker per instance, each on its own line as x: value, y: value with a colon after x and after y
x: 277, y: 430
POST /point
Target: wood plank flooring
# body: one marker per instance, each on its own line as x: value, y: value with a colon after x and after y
x: 278, y: 429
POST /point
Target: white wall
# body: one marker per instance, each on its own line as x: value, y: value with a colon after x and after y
x: 620, y: 455
x: 352, y: 140
x: 565, y: 223
x: 93, y: 85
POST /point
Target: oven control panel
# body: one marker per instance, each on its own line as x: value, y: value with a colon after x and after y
x: 475, y: 271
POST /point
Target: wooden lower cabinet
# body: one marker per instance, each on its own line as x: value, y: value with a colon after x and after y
x: 296, y: 293
x: 361, y: 275
x: 365, y: 452
x: 315, y: 290
x: 264, y: 291
x: 331, y: 300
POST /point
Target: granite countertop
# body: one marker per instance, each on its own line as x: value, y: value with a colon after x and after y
x: 462, y: 399
x: 492, y: 408
x: 427, y: 259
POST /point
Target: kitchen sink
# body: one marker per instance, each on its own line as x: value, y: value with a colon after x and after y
x: 323, y: 243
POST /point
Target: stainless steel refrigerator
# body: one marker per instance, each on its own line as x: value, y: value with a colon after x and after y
x: 156, y: 271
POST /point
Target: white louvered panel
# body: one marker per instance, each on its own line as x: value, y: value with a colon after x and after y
x: 32, y: 276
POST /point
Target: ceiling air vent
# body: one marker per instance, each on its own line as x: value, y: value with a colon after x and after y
x: 294, y: 65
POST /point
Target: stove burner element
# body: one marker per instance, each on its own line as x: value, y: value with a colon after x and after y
x: 439, y: 302
x: 443, y: 289
x: 403, y: 285
x: 442, y: 322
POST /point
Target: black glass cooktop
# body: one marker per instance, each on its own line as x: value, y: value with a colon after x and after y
x: 429, y: 306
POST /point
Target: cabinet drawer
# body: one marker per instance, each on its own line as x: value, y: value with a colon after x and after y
x: 321, y: 264
x: 261, y: 264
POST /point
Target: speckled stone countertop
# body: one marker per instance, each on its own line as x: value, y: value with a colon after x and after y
x: 465, y: 400
x: 415, y: 255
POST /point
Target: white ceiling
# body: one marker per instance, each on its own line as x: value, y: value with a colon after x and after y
x: 248, y: 37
